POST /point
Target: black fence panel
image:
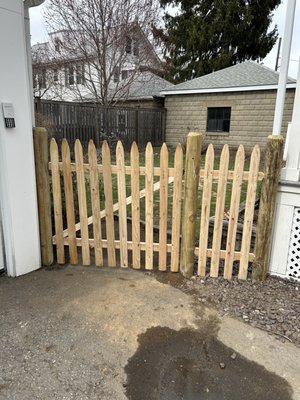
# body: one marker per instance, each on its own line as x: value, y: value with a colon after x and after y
x: 86, y: 121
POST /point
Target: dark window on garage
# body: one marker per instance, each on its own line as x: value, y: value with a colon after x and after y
x: 218, y: 119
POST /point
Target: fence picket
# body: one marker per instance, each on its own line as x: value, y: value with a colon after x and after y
x: 82, y: 203
x: 218, y: 223
x: 95, y: 198
x: 163, y: 207
x: 60, y: 252
x: 110, y: 228
x: 176, y: 209
x: 149, y: 206
x: 234, y: 211
x: 249, y: 212
x: 68, y: 186
x: 135, y: 206
x: 205, y: 209
x: 122, y: 204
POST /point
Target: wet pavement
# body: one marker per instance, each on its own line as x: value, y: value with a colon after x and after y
x: 195, y: 365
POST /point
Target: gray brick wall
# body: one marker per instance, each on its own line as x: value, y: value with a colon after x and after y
x: 252, y: 115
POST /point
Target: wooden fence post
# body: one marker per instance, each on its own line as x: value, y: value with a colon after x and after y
x: 40, y: 140
x: 273, y: 165
x: 191, y: 182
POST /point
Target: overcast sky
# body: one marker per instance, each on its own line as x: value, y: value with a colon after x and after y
x: 38, y: 33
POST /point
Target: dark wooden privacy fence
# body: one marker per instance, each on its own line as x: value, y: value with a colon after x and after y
x: 85, y: 121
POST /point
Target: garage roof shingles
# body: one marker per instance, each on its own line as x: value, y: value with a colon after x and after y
x: 246, y: 74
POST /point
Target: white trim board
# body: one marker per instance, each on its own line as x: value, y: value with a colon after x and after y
x: 225, y: 89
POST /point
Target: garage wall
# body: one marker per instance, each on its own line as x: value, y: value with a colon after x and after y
x: 252, y: 115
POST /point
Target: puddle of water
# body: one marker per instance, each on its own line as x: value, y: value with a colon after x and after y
x: 185, y: 365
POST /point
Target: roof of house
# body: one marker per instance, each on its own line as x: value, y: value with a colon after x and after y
x: 147, y: 85
x: 248, y: 75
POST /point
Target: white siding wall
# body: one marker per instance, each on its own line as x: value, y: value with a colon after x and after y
x: 17, y: 176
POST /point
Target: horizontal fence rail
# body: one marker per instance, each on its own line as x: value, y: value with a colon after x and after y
x: 126, y: 209
x: 84, y: 121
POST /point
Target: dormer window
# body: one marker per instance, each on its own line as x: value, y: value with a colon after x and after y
x: 128, y: 45
x: 132, y: 46
x: 57, y: 45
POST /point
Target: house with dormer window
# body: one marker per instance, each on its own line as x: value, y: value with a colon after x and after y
x: 69, y: 70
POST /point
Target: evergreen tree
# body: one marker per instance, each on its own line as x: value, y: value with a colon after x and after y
x: 206, y: 36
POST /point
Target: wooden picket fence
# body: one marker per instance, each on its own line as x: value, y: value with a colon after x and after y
x: 237, y: 176
x: 69, y: 181
x: 68, y: 237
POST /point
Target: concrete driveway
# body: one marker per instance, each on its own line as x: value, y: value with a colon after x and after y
x: 87, y: 333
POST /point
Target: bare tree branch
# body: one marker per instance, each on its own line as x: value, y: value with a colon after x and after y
x: 99, y: 47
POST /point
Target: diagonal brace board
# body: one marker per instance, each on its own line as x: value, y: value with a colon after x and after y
x: 156, y: 187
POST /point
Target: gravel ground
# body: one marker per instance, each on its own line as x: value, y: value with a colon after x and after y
x: 272, y: 305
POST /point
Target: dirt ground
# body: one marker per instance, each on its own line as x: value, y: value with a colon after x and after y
x: 86, y: 333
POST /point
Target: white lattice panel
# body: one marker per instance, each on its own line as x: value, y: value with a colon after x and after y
x: 293, y: 267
